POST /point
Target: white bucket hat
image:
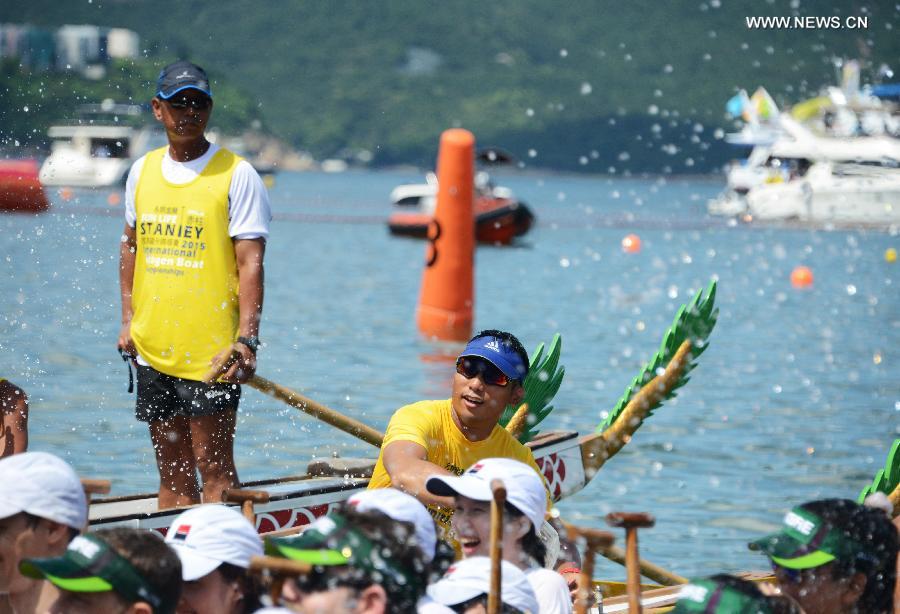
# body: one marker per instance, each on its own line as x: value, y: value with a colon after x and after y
x: 400, y: 506
x: 42, y: 485
x: 471, y: 577
x: 206, y: 536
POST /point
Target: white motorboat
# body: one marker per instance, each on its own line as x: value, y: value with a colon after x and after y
x: 97, y: 150
x: 809, y: 178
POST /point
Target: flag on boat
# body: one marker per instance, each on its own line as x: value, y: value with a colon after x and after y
x: 763, y: 104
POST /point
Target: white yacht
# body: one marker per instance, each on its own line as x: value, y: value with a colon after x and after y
x: 97, y: 149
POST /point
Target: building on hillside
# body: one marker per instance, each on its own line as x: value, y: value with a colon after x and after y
x: 84, y: 49
x: 33, y: 47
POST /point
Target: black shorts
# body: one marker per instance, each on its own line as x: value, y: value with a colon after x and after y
x: 161, y: 396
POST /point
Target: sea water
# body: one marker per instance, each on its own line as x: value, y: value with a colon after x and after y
x: 796, y: 398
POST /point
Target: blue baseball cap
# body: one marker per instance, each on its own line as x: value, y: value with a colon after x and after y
x: 180, y: 76
x: 499, y: 353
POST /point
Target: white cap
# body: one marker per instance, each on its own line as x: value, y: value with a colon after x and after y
x: 468, y: 578
x: 206, y: 536
x: 43, y: 485
x: 400, y: 506
x: 524, y: 488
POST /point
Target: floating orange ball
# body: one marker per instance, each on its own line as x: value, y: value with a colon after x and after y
x: 66, y: 193
x: 631, y: 244
x: 802, y: 277
x: 114, y: 199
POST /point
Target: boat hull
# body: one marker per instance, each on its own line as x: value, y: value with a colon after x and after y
x: 20, y: 190
x: 297, y: 501
x: 497, y: 221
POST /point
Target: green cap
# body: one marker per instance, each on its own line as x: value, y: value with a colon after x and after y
x: 711, y: 597
x: 332, y: 541
x: 90, y: 565
x: 807, y: 541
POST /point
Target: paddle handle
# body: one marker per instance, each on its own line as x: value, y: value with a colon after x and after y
x: 648, y: 569
x: 498, y: 500
x: 317, y: 410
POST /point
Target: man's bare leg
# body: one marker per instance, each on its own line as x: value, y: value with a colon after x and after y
x: 13, y: 419
x: 213, y: 444
x: 175, y: 460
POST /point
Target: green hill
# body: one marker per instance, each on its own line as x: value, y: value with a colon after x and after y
x: 581, y: 85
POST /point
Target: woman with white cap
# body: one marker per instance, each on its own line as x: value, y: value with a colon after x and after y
x: 215, y: 543
x: 526, y: 503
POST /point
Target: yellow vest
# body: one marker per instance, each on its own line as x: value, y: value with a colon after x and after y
x: 185, y: 292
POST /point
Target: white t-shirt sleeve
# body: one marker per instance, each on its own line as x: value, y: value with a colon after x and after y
x: 551, y: 591
x: 248, y: 204
x: 131, y: 189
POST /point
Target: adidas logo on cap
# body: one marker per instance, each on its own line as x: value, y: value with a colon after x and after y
x: 493, y: 344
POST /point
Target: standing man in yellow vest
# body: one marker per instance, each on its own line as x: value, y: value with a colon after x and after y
x: 191, y: 278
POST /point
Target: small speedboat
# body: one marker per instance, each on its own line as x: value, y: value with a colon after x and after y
x: 499, y: 216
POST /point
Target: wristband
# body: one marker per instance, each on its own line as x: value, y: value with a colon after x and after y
x: 250, y: 342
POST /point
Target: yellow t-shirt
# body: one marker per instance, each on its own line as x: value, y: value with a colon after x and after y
x: 430, y: 424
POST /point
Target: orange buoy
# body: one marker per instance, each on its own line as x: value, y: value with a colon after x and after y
x: 802, y: 277
x: 114, y: 199
x: 66, y: 193
x: 631, y: 244
x: 446, y: 300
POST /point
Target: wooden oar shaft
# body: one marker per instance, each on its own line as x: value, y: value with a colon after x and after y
x: 317, y: 410
x: 648, y: 569
x: 498, y: 500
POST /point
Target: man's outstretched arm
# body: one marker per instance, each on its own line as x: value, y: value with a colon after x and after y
x: 405, y: 462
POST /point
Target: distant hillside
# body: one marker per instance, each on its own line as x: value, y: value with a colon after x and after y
x: 582, y: 85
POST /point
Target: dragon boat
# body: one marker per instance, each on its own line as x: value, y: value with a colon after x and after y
x: 567, y: 459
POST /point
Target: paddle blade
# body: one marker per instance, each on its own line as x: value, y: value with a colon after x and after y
x: 694, y: 322
x: 544, y: 378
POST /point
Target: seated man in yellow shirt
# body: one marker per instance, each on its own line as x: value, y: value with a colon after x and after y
x: 446, y: 436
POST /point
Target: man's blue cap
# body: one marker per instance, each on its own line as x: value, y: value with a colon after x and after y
x: 499, y: 353
x: 181, y: 76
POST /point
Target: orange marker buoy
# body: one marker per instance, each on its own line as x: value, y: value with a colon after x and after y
x: 447, y: 298
x: 66, y: 193
x: 802, y: 277
x: 114, y: 199
x: 631, y: 244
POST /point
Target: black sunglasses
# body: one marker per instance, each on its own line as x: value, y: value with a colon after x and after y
x: 200, y: 104
x: 469, y: 367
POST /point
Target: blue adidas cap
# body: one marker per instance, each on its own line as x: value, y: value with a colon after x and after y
x: 499, y: 353
x: 181, y: 76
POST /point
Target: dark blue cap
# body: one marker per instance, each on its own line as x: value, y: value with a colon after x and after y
x: 499, y: 353
x: 181, y: 76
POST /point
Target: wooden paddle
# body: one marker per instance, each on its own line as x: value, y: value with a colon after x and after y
x: 93, y: 487
x: 498, y: 500
x: 595, y: 540
x: 298, y: 401
x: 246, y: 498
x: 631, y: 523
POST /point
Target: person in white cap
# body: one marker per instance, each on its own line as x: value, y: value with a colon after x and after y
x: 466, y: 585
x: 400, y: 506
x: 523, y: 520
x: 215, y: 544
x: 42, y: 507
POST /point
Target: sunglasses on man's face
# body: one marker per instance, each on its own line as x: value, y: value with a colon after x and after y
x: 200, y: 104
x: 491, y: 375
